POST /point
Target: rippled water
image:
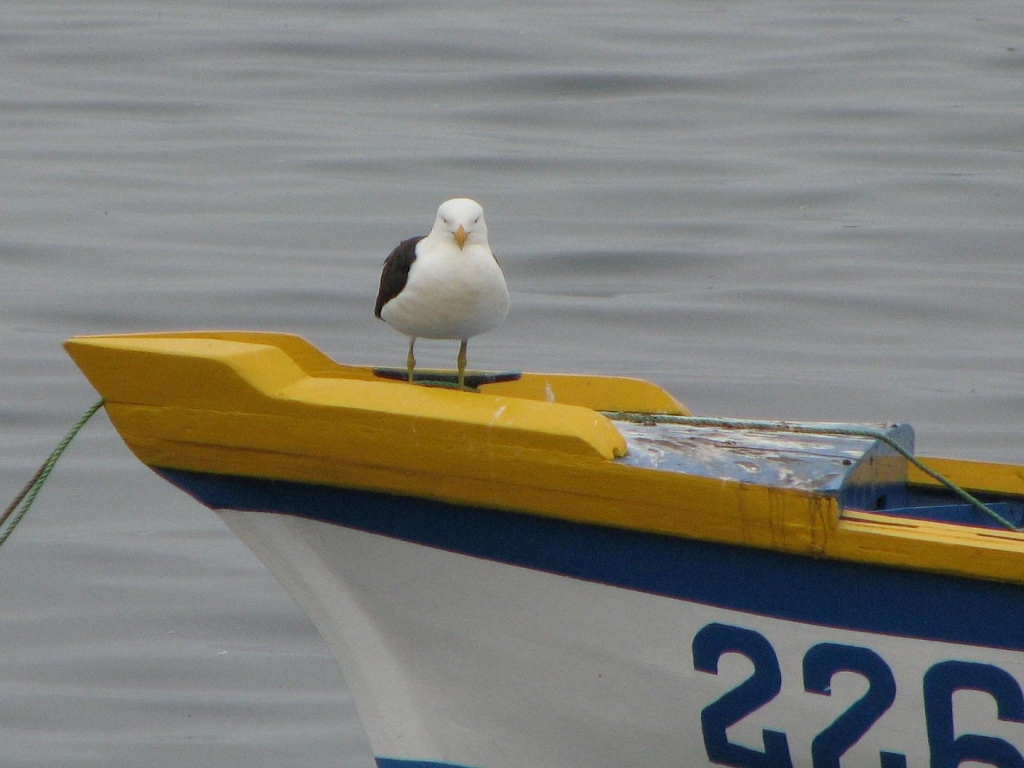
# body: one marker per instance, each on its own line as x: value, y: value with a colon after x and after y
x: 773, y: 209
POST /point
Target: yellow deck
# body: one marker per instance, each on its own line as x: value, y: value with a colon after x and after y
x: 272, y: 406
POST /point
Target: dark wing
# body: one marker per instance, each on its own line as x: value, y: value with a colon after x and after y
x: 396, y: 272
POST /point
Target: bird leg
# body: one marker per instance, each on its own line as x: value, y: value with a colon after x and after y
x: 462, y: 363
x: 410, y: 361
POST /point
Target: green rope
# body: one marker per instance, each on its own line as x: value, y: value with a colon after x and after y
x: 816, y: 429
x: 28, y: 494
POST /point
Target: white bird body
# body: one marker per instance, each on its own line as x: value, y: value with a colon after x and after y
x: 447, y: 285
x: 451, y: 293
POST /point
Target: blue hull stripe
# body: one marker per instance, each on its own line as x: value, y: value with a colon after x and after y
x: 831, y: 593
x: 391, y: 762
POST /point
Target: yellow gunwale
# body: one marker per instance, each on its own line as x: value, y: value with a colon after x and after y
x: 273, y: 406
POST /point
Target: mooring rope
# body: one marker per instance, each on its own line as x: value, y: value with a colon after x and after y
x: 18, y: 508
x: 28, y: 494
x: 815, y: 429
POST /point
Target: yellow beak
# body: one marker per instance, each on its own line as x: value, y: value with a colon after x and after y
x: 460, y: 236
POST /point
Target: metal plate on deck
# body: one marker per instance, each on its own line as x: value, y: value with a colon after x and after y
x: 782, y: 459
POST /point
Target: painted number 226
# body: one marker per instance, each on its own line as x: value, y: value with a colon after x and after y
x: 820, y: 663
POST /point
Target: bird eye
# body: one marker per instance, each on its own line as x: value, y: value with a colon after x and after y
x: 476, y: 220
x: 445, y: 220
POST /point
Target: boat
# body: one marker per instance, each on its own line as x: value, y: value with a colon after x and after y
x: 569, y: 571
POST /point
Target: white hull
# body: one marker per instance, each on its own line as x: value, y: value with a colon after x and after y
x: 461, y: 660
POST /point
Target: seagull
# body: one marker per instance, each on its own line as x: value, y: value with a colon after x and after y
x: 444, y: 285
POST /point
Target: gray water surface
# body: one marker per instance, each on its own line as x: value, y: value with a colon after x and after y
x: 773, y: 209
